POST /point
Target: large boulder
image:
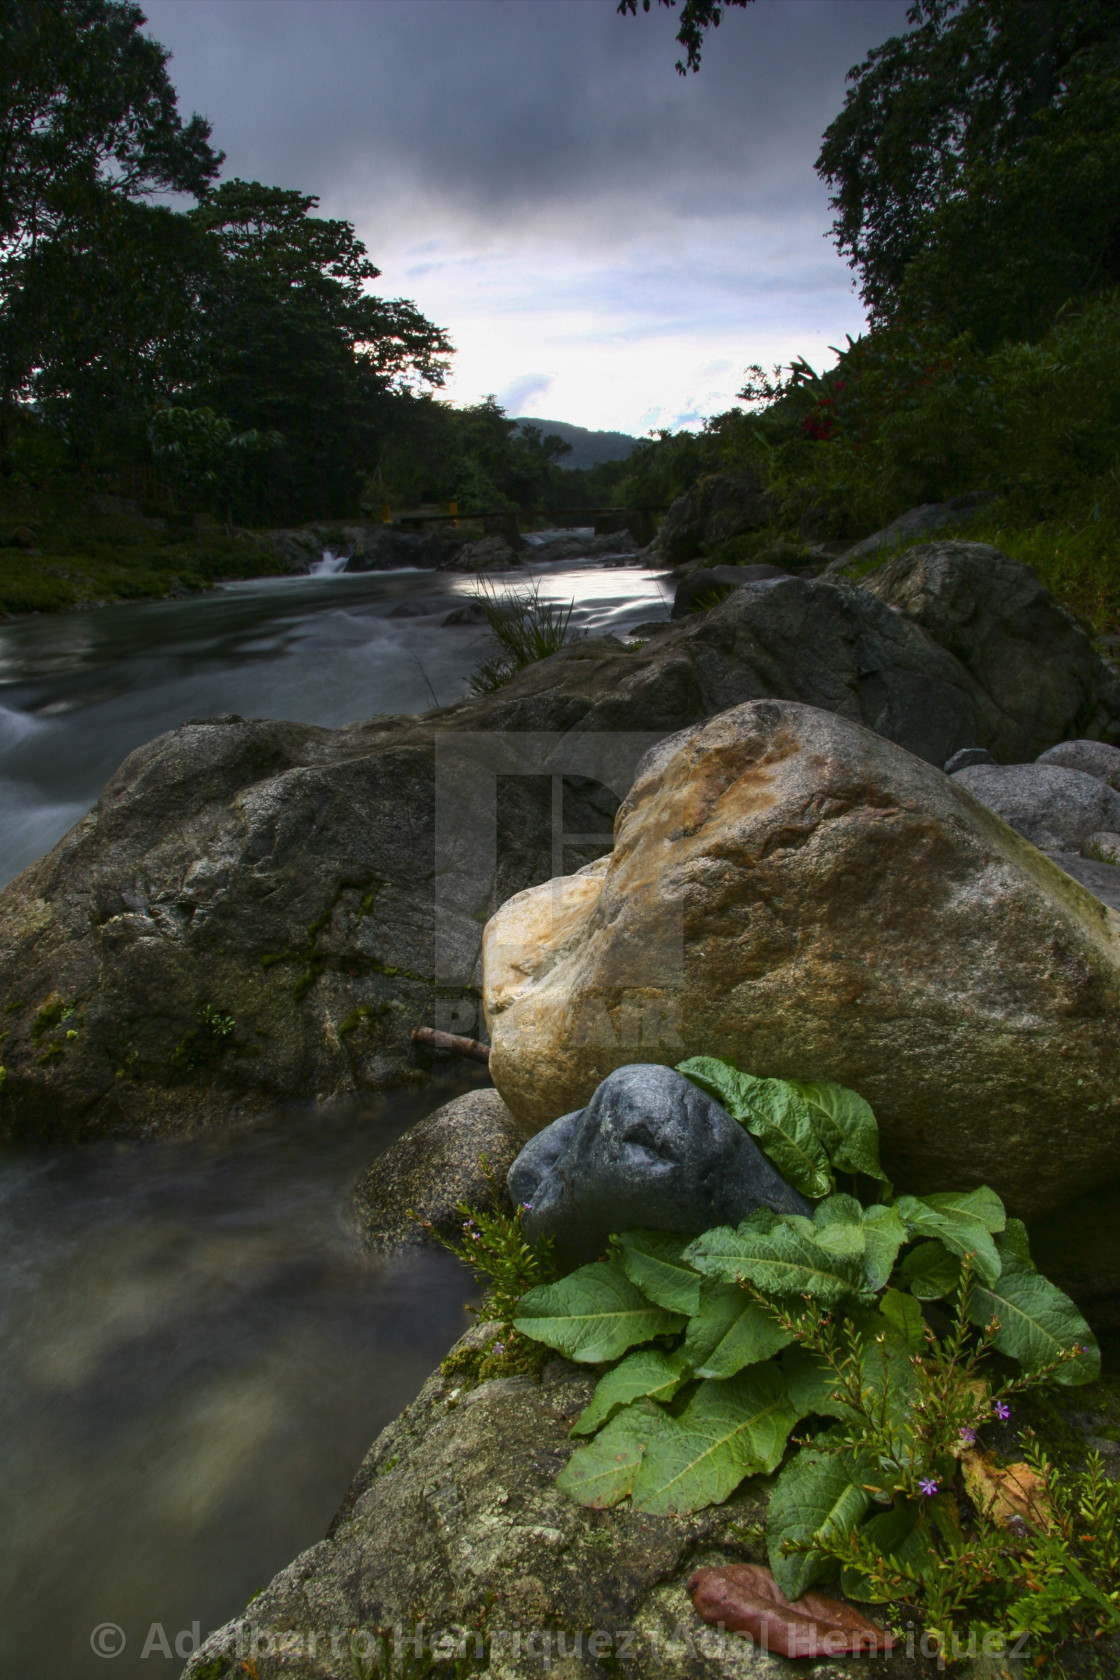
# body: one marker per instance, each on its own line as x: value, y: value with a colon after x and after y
x: 789, y: 889
x: 717, y: 507
x: 1028, y: 654
x: 915, y: 522
x: 453, y: 1534
x: 1095, y: 758
x: 703, y: 587
x: 1054, y: 807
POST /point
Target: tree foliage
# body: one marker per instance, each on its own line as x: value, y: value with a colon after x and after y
x: 984, y: 105
x: 695, y: 19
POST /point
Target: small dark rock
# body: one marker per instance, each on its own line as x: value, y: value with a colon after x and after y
x: 966, y: 756
x: 650, y: 1151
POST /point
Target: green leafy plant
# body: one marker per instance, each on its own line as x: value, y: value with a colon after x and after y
x: 898, y: 1326
x: 507, y: 1266
x: 525, y: 628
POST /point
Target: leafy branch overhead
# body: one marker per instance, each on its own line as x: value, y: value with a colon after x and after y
x: 898, y: 1327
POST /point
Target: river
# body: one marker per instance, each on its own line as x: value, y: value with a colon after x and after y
x: 193, y: 1359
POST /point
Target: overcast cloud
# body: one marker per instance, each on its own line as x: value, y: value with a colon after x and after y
x: 606, y: 242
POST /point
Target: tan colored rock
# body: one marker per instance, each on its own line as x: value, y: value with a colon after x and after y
x: 792, y: 890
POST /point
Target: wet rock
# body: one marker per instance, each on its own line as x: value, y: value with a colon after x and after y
x: 1095, y: 758
x: 1052, y: 807
x: 433, y: 1167
x: 649, y: 1151
x: 793, y: 891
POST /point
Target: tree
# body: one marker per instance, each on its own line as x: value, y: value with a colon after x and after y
x: 88, y: 119
x: 294, y: 343
x: 947, y: 115
x: 696, y: 18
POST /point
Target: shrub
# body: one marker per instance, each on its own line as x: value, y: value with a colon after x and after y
x: 524, y: 627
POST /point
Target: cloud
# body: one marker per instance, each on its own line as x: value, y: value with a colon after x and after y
x: 526, y: 392
x: 543, y: 184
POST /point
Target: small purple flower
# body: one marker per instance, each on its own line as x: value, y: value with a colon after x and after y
x: 475, y: 1237
x: 968, y: 1436
x: 526, y: 1207
x: 499, y: 1348
x: 1003, y: 1410
x: 928, y: 1485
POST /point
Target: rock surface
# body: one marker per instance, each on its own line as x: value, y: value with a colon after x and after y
x: 788, y: 889
x: 717, y: 507
x: 488, y: 554
x: 650, y: 1151
x: 284, y: 876
x: 986, y: 610
x: 454, y: 1522
x: 433, y: 1167
x: 1052, y: 807
x: 703, y: 586
x: 1096, y: 758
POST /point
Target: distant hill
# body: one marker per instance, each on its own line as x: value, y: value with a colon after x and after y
x: 589, y: 449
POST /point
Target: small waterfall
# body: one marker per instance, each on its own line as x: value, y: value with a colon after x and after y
x: 330, y: 565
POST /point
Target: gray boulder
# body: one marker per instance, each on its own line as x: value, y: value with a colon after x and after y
x: 1031, y: 657
x: 701, y: 588
x: 719, y: 506
x: 1054, y: 808
x: 1096, y: 758
x: 650, y: 1151
x: 433, y: 1167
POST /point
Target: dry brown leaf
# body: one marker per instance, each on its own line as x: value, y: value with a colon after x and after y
x: 1008, y: 1493
x: 745, y: 1598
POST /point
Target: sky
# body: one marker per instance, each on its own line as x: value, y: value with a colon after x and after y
x: 607, y: 242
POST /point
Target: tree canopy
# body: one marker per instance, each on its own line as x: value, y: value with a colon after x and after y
x: 964, y: 142
x: 695, y: 19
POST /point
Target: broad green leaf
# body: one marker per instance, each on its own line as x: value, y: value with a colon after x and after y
x: 886, y: 1368
x: 838, y: 1225
x: 782, y: 1261
x: 1013, y: 1239
x: 813, y: 1386
x: 896, y: 1534
x: 647, y: 1371
x: 846, y: 1126
x: 718, y: 1077
x: 981, y: 1204
x: 727, y: 1431
x: 592, y: 1315
x: 603, y: 1472
x: 930, y: 1272
x: 729, y: 1331
x: 953, y: 1223
x: 883, y: 1236
x: 1036, y: 1321
x: 774, y: 1114
x: 652, y: 1261
x: 819, y: 1492
x: 904, y: 1313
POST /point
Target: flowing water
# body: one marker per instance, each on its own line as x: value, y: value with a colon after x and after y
x: 193, y: 1358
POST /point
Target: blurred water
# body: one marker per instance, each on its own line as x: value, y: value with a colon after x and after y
x: 193, y: 1362
x: 78, y: 691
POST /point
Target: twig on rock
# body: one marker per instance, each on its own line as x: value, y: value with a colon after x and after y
x: 434, y: 1040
